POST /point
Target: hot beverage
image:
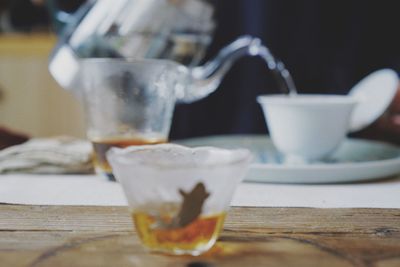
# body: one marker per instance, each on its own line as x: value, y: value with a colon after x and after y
x: 154, y: 229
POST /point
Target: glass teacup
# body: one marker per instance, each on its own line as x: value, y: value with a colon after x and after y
x: 178, y: 196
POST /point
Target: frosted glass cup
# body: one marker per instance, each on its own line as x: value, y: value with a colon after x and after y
x: 178, y: 196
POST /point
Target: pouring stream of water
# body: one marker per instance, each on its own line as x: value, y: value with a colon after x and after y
x: 210, y: 74
x: 279, y: 70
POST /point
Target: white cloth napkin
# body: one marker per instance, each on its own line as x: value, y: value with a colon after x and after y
x: 97, y: 190
x: 48, y: 156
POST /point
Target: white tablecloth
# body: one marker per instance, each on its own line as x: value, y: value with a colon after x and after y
x: 95, y: 190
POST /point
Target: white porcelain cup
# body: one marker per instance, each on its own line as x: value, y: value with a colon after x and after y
x: 307, y: 128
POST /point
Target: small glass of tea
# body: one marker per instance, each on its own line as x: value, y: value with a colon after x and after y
x: 178, y: 196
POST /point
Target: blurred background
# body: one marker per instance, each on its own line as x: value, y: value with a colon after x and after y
x: 328, y: 46
x: 31, y: 103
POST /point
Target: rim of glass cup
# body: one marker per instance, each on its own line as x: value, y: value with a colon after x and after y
x: 118, y: 155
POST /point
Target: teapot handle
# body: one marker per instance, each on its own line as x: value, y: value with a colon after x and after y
x: 60, y: 18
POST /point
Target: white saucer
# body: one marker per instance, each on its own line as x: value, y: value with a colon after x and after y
x: 355, y: 160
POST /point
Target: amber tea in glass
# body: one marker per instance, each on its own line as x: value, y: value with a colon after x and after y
x: 102, y: 145
x: 198, y: 235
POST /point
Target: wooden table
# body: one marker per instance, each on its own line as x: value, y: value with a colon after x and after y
x: 103, y: 236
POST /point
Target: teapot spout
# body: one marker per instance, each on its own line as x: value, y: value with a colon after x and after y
x: 205, y: 79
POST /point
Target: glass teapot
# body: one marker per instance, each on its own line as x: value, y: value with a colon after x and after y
x: 130, y: 61
x: 175, y: 30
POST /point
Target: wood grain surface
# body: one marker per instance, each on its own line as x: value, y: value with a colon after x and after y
x: 104, y: 236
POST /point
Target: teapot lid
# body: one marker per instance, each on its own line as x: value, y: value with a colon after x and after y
x: 375, y: 93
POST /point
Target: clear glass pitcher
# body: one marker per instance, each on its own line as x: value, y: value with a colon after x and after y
x: 127, y: 103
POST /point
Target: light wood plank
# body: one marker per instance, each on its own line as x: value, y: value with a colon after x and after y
x: 103, y: 236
